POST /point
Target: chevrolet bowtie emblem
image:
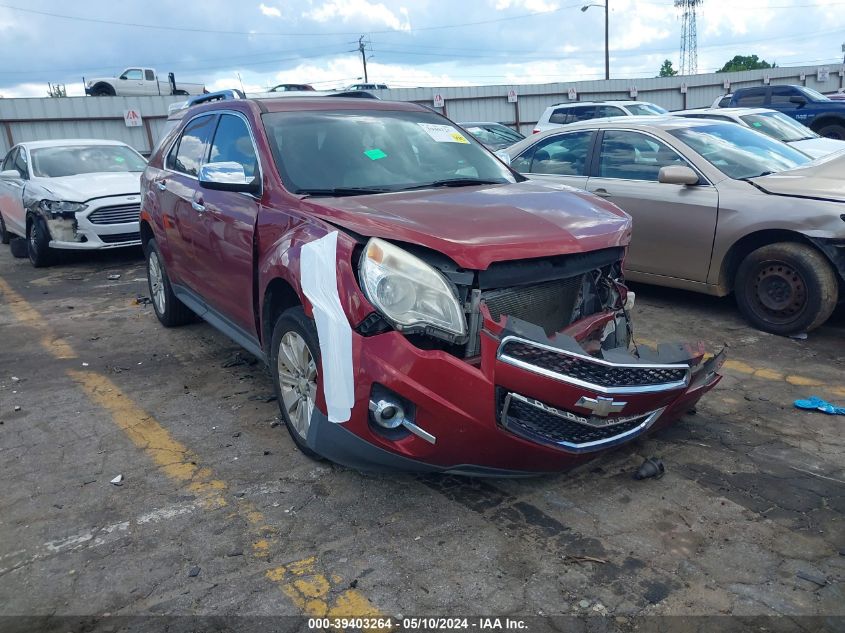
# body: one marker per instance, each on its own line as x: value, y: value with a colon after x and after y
x: 600, y: 406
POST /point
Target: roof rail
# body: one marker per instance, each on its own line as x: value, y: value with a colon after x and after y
x: 234, y: 93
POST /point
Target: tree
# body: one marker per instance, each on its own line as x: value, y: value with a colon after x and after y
x: 666, y: 69
x: 745, y: 62
x: 56, y: 90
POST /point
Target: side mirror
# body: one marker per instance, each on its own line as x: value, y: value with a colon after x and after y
x: 227, y: 176
x: 677, y: 175
x: 798, y: 100
x: 122, y: 77
x: 503, y: 156
x: 10, y: 174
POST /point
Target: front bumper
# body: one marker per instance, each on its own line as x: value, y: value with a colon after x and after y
x: 527, y: 405
x: 106, y: 223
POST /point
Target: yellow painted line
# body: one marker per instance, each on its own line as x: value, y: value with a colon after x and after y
x: 764, y: 373
x: 313, y: 591
x: 26, y: 314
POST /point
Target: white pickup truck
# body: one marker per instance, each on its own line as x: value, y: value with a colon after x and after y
x: 139, y: 81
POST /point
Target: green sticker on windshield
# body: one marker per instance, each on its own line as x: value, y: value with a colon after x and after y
x: 375, y: 154
x: 119, y: 159
x: 757, y: 124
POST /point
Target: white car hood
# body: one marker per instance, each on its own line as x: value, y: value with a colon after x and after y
x: 821, y: 179
x: 84, y: 187
x: 818, y: 147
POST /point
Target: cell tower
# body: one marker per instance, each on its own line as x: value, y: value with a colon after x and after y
x: 689, y: 37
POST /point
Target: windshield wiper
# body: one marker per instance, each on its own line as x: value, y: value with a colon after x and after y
x: 765, y: 173
x: 457, y: 182
x: 342, y: 191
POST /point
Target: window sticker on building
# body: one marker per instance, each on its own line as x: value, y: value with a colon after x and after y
x: 443, y: 133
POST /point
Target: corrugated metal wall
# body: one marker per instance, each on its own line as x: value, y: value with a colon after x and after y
x: 102, y: 117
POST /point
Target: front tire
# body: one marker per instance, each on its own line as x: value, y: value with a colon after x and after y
x: 786, y: 288
x: 38, y: 242
x: 170, y: 311
x: 295, y: 364
x: 833, y: 130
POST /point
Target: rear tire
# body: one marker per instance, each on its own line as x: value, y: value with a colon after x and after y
x: 18, y: 246
x: 38, y: 242
x: 295, y: 376
x: 786, y: 288
x: 103, y: 90
x: 170, y: 311
x: 5, y: 236
x: 833, y: 130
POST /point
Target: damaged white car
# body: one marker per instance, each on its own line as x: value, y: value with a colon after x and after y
x: 70, y: 194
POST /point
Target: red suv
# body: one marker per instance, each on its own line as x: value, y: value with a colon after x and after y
x: 420, y: 305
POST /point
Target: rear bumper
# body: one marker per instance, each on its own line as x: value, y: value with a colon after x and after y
x: 500, y: 418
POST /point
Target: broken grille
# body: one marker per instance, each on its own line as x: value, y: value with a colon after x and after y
x: 547, y: 425
x: 115, y: 215
x: 591, y: 372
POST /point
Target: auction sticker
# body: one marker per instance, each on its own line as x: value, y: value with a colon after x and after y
x: 443, y: 133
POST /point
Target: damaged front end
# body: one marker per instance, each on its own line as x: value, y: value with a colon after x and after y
x: 548, y: 345
x: 60, y: 218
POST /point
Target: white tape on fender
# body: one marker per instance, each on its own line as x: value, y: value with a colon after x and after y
x: 318, y: 266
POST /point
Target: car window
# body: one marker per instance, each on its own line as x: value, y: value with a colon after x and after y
x: 134, y: 74
x: 564, y: 155
x: 725, y: 101
x: 581, y: 113
x: 232, y: 143
x: 603, y: 111
x: 149, y: 75
x: 738, y: 151
x: 645, y: 109
x: 559, y: 115
x: 753, y: 97
x: 317, y: 152
x: 9, y: 161
x: 779, y: 126
x: 72, y: 160
x: 188, y: 153
x: 781, y: 94
x: 20, y: 163
x: 494, y: 134
x: 634, y: 156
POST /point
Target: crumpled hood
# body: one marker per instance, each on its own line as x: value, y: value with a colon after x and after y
x: 823, y: 178
x: 476, y: 226
x: 84, y: 187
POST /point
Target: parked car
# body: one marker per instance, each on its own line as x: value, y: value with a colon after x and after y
x: 723, y: 101
x: 140, y: 81
x: 74, y: 194
x: 420, y: 305
x: 493, y: 135
x: 819, y: 113
x: 836, y: 96
x: 366, y: 87
x: 291, y: 88
x: 774, y: 124
x: 575, y: 111
x: 717, y: 208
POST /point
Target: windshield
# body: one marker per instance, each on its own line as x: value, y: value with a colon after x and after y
x: 813, y: 95
x: 645, y: 109
x: 738, y: 151
x: 55, y: 162
x: 493, y: 134
x: 779, y: 126
x: 364, y: 151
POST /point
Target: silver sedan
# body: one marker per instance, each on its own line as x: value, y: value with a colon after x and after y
x: 717, y: 208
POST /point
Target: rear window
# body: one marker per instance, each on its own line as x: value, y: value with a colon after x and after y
x: 640, y: 109
x: 55, y: 162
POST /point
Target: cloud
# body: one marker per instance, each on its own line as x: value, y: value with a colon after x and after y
x: 534, y: 6
x: 349, y: 10
x: 270, y: 12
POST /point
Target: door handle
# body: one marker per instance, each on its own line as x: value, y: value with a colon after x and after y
x: 198, y: 207
x: 602, y: 193
x: 161, y: 185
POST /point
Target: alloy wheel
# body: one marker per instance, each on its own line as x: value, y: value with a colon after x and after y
x: 297, y: 372
x: 156, y: 282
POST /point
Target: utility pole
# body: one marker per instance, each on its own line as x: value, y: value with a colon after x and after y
x: 606, y: 8
x: 362, y: 48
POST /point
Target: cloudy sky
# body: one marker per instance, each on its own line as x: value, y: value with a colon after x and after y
x: 410, y: 42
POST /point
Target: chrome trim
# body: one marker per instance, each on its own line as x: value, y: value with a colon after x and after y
x: 586, y: 447
x: 668, y: 386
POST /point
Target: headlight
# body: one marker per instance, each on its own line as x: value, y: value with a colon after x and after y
x: 409, y: 292
x: 61, y: 207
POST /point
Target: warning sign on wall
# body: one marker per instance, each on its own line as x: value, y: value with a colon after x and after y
x: 132, y: 117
